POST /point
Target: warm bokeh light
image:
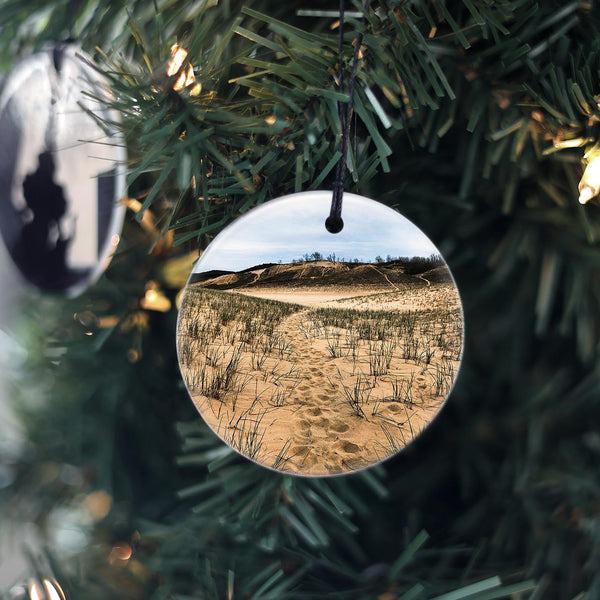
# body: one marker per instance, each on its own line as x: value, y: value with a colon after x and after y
x: 133, y: 355
x: 186, y: 76
x: 120, y: 552
x: 178, y: 55
x: 589, y: 186
x: 154, y: 299
x: 98, y: 504
x: 35, y: 593
x: 53, y: 590
x: 107, y: 322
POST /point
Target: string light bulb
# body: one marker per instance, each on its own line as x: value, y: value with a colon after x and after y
x: 51, y: 591
x: 154, y: 299
x: 35, y: 593
x: 186, y: 76
x: 589, y: 186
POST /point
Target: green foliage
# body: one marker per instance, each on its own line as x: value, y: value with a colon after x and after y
x: 27, y: 26
x: 299, y: 530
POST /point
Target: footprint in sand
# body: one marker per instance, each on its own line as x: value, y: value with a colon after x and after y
x: 340, y: 426
x: 299, y: 450
x: 304, y: 388
x: 322, y: 422
x: 323, y: 397
x: 394, y: 408
x: 315, y: 371
x: 333, y: 468
x: 309, y: 460
x: 348, y: 447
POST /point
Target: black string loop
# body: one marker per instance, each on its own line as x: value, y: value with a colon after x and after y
x: 334, y: 222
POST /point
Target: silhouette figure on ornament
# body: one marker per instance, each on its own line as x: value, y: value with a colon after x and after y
x: 42, y: 248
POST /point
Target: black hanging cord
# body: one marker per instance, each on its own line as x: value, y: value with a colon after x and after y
x: 334, y: 222
x: 73, y: 7
x: 58, y: 52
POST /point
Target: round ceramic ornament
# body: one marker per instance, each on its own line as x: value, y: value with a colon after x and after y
x: 315, y: 353
x: 62, y: 171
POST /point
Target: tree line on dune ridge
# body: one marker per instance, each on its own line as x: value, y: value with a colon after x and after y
x: 413, y: 264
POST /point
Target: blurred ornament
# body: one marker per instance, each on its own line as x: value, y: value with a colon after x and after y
x: 62, y: 170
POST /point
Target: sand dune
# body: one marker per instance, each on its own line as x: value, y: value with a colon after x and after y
x: 320, y: 380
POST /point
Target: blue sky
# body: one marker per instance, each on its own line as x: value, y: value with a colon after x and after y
x: 289, y: 227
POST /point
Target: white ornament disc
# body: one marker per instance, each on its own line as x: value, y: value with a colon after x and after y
x: 315, y: 353
x: 62, y: 171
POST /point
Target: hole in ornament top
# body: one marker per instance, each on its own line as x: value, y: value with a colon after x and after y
x: 316, y: 354
x: 334, y: 224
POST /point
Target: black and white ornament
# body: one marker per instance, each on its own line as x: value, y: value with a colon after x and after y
x: 315, y: 353
x: 62, y: 170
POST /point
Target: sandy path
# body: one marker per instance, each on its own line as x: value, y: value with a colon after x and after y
x: 319, y: 420
x: 385, y: 277
x: 420, y: 276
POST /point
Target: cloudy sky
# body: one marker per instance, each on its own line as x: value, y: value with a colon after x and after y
x: 287, y: 228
